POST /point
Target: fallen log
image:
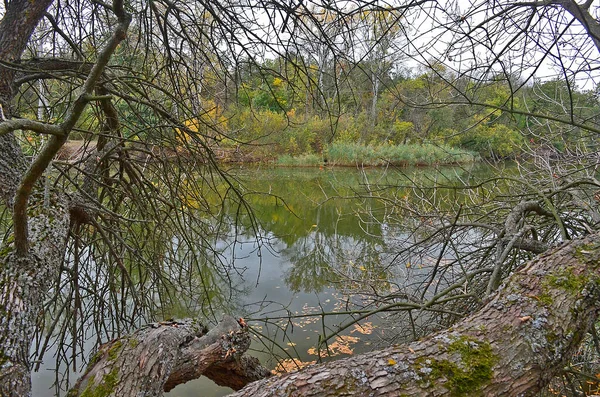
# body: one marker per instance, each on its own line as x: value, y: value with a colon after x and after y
x: 513, y: 346
x: 162, y: 355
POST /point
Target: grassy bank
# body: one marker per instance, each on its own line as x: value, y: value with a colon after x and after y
x: 350, y: 154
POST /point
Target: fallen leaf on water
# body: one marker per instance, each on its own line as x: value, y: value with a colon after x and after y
x: 365, y: 329
x: 290, y: 365
x: 340, y: 346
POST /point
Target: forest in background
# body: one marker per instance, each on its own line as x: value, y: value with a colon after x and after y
x: 369, y: 104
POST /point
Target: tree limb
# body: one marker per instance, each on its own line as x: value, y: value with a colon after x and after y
x: 513, y: 346
x: 42, y: 161
x: 160, y: 356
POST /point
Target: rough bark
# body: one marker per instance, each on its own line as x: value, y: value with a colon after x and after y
x: 24, y: 279
x: 523, y: 336
x: 17, y: 25
x: 31, y: 258
x: 160, y: 356
x: 24, y: 282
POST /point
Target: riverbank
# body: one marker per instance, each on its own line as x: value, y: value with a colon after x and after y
x: 336, y: 154
x: 346, y: 154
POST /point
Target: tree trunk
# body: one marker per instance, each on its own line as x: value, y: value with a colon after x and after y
x: 513, y: 346
x: 24, y: 282
x: 160, y: 356
x: 17, y: 24
x: 31, y: 258
x: 375, y: 92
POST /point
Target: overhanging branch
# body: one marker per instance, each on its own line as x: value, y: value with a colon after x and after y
x: 20, y: 219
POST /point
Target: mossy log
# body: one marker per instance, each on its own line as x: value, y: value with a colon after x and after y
x: 160, y: 356
x: 513, y: 346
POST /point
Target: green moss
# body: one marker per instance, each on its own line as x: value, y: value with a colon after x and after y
x: 551, y: 337
x: 73, y: 392
x: 94, y: 359
x: 545, y: 299
x: 133, y: 342
x: 115, y: 349
x: 104, y: 388
x: 566, y: 280
x: 587, y: 252
x: 464, y: 377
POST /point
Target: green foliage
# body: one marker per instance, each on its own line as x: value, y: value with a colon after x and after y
x: 281, y: 113
x: 302, y: 160
x: 496, y: 141
x: 402, y: 130
x: 258, y: 128
x: 30, y: 142
x: 349, y: 130
x: 371, y: 155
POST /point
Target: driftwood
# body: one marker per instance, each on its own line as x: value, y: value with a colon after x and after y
x: 514, y: 345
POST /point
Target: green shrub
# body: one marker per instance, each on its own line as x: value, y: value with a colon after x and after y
x: 496, y: 141
x: 303, y: 160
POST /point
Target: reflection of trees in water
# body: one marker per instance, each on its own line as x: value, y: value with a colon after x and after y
x: 468, y: 232
x: 359, y: 243
x: 345, y: 262
x: 421, y: 248
x: 313, y: 259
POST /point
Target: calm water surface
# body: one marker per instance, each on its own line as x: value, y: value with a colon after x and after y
x: 322, y: 238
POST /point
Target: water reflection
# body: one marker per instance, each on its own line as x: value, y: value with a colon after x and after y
x: 322, y: 242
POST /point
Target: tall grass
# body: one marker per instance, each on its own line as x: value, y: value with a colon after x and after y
x: 351, y: 154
